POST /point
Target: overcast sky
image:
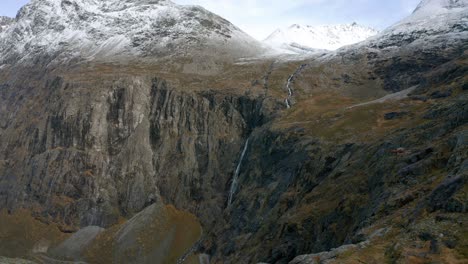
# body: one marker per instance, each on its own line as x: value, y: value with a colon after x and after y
x: 261, y: 17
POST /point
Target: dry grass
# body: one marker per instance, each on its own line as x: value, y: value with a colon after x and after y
x: 327, y: 116
x: 20, y: 232
x: 180, y: 229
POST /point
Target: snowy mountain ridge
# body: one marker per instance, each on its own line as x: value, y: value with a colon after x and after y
x: 443, y: 19
x: 104, y: 29
x: 431, y: 7
x: 327, y: 37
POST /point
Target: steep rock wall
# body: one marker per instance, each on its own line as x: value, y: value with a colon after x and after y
x: 88, y: 152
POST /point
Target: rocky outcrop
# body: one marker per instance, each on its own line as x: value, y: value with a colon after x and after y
x: 5, y: 22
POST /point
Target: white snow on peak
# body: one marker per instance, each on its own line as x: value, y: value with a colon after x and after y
x: 434, y: 25
x: 434, y: 7
x: 327, y: 37
x: 96, y: 29
x: 430, y: 18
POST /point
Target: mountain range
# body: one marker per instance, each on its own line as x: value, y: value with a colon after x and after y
x: 329, y: 37
x: 151, y: 132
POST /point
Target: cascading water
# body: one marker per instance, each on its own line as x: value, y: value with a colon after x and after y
x: 287, y: 103
x: 236, y: 173
x: 289, y: 83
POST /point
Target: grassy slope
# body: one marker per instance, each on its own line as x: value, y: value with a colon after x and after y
x: 326, y: 115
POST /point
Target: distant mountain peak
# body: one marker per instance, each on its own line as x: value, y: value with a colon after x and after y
x: 328, y: 37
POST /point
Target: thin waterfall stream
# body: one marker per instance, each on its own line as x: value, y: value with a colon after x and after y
x: 235, y: 179
x: 287, y: 101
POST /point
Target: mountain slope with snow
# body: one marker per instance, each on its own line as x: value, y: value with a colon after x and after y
x: 434, y: 22
x: 329, y: 37
x: 435, y: 33
x: 5, y: 22
x: 108, y: 28
x: 433, y: 7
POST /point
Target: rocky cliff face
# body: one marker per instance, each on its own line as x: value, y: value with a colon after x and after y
x: 343, y: 160
x: 315, y: 192
x: 116, y: 143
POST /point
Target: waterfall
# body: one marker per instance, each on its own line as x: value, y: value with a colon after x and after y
x: 287, y: 103
x: 236, y: 173
x: 289, y: 83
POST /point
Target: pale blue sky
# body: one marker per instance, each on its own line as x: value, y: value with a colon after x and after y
x: 261, y: 17
x: 11, y: 7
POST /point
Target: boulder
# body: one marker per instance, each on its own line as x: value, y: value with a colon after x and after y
x: 441, y: 94
x: 395, y: 115
x: 418, y: 98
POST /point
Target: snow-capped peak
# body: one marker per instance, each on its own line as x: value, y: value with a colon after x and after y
x: 433, y: 25
x: 430, y: 18
x: 103, y: 29
x: 329, y: 37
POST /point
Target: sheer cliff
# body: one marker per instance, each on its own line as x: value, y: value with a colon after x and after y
x: 161, y: 138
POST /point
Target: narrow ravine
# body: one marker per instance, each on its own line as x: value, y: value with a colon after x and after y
x: 291, y: 78
x: 235, y: 179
